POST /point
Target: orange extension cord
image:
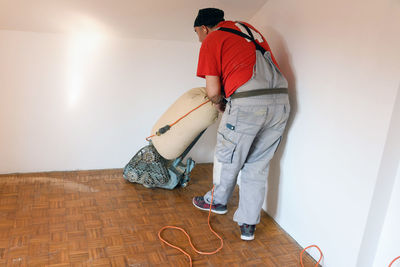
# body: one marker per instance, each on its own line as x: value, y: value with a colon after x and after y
x: 395, y: 259
x: 209, y: 214
x: 190, y: 241
x: 301, y: 255
x: 316, y: 265
x: 172, y: 124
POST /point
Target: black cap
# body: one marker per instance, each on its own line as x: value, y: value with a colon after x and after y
x: 209, y: 17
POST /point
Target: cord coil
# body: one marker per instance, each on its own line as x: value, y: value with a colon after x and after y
x: 190, y: 241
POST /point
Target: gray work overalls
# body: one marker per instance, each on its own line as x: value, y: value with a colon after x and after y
x: 248, y: 136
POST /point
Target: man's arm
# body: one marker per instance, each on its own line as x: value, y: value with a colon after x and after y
x: 213, y: 89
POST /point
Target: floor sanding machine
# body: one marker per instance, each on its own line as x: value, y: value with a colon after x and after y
x: 161, y: 162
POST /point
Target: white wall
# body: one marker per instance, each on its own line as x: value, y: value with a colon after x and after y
x: 378, y: 233
x: 87, y: 101
x: 343, y: 65
x: 388, y: 245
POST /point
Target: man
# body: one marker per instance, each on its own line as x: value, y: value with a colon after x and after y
x: 243, y: 80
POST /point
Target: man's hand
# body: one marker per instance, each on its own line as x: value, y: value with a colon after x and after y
x: 220, y: 107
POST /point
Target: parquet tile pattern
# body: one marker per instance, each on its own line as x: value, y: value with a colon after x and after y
x: 96, y: 218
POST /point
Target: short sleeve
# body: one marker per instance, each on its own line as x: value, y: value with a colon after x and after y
x: 208, y: 60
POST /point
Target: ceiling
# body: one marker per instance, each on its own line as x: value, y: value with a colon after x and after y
x: 150, y: 19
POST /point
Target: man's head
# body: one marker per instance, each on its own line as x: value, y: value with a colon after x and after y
x: 206, y: 20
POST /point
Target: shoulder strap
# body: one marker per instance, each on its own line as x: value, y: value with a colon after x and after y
x: 250, y: 36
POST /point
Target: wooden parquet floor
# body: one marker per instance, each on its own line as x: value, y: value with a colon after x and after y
x: 96, y: 218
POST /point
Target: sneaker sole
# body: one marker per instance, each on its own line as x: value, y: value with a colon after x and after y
x: 213, y: 211
x: 247, y: 238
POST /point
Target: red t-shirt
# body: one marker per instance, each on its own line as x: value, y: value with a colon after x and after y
x: 230, y: 56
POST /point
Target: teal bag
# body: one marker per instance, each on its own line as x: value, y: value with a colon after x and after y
x: 151, y: 170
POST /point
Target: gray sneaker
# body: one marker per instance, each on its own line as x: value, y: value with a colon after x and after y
x: 247, y: 231
x: 201, y: 204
